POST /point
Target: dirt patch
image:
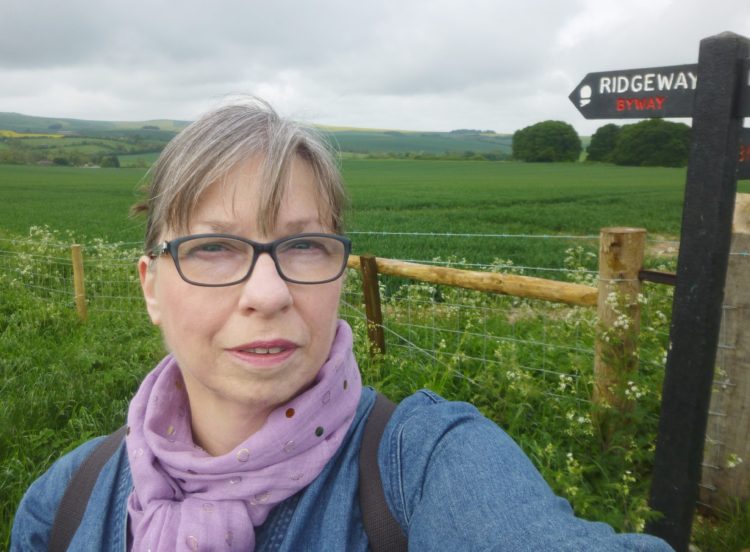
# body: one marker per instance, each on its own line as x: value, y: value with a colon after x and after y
x: 662, y: 247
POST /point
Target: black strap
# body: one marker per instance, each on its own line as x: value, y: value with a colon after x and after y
x: 383, y: 531
x: 73, y: 504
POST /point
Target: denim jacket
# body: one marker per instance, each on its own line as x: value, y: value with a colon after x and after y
x: 452, y: 478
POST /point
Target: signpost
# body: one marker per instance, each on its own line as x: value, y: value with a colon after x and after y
x: 716, y: 94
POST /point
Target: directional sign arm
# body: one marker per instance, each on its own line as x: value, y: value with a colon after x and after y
x: 637, y: 93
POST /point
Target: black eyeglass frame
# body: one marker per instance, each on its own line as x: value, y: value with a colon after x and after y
x: 172, y: 246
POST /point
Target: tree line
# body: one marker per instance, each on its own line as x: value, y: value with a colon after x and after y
x: 653, y: 142
x: 649, y: 143
x: 77, y: 150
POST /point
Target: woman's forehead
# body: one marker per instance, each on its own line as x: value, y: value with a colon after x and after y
x: 239, y: 201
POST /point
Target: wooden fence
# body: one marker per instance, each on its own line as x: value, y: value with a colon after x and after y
x: 621, y: 254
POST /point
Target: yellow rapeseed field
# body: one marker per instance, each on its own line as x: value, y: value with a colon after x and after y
x: 14, y: 134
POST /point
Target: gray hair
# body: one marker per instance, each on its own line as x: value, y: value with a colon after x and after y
x: 207, y: 150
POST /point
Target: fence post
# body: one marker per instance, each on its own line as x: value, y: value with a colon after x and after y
x: 371, y: 292
x: 78, y: 281
x: 725, y: 473
x: 619, y: 313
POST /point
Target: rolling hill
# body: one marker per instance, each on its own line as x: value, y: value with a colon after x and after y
x: 349, y: 140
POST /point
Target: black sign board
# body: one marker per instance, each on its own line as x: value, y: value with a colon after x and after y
x: 645, y: 93
x: 743, y: 167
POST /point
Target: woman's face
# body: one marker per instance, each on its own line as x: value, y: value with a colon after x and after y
x: 259, y: 343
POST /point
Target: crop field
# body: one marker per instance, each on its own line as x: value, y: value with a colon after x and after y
x: 525, y: 364
x: 137, y: 160
x: 28, y: 135
x: 394, y: 196
x: 394, y: 141
x: 427, y: 197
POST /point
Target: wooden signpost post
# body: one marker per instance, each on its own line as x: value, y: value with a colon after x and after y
x: 716, y: 94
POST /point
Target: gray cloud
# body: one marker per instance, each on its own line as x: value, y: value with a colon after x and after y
x: 418, y: 64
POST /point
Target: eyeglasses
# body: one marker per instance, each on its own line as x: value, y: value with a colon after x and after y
x: 215, y: 260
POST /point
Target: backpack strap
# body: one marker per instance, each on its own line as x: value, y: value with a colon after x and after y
x: 383, y: 531
x: 73, y: 504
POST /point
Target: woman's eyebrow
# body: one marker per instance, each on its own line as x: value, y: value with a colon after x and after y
x: 294, y: 226
x: 217, y: 226
x: 300, y: 225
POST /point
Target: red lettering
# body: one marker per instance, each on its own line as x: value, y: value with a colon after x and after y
x: 651, y: 103
x: 744, y: 153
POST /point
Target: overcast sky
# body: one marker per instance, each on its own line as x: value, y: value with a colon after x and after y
x: 404, y: 64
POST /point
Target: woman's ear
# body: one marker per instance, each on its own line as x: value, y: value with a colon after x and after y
x: 147, y: 274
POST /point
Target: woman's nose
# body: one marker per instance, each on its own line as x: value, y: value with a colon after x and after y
x: 265, y: 291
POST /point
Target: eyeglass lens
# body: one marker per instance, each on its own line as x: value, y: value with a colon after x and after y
x: 221, y: 260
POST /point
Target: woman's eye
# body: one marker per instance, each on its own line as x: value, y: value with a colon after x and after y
x: 210, y: 248
x: 304, y: 246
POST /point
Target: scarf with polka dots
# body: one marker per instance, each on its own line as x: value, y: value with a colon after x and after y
x: 185, y: 499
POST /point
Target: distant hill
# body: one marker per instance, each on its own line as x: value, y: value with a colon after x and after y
x: 366, y: 141
x: 136, y: 138
x: 163, y: 129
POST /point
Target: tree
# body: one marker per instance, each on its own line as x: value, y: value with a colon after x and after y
x: 653, y: 143
x: 111, y: 161
x: 547, y: 141
x: 603, y: 143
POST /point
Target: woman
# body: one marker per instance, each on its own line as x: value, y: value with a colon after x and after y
x: 247, y: 435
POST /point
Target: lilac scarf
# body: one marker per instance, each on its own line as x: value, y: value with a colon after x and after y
x: 185, y: 499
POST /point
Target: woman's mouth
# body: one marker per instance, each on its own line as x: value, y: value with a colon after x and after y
x: 265, y: 353
x: 264, y: 350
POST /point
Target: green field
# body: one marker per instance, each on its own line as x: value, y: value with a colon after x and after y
x: 396, y: 196
x: 394, y: 141
x: 137, y: 160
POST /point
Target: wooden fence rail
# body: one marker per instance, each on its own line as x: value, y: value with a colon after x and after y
x: 492, y: 282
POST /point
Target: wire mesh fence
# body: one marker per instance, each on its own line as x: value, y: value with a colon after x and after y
x: 463, y: 333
